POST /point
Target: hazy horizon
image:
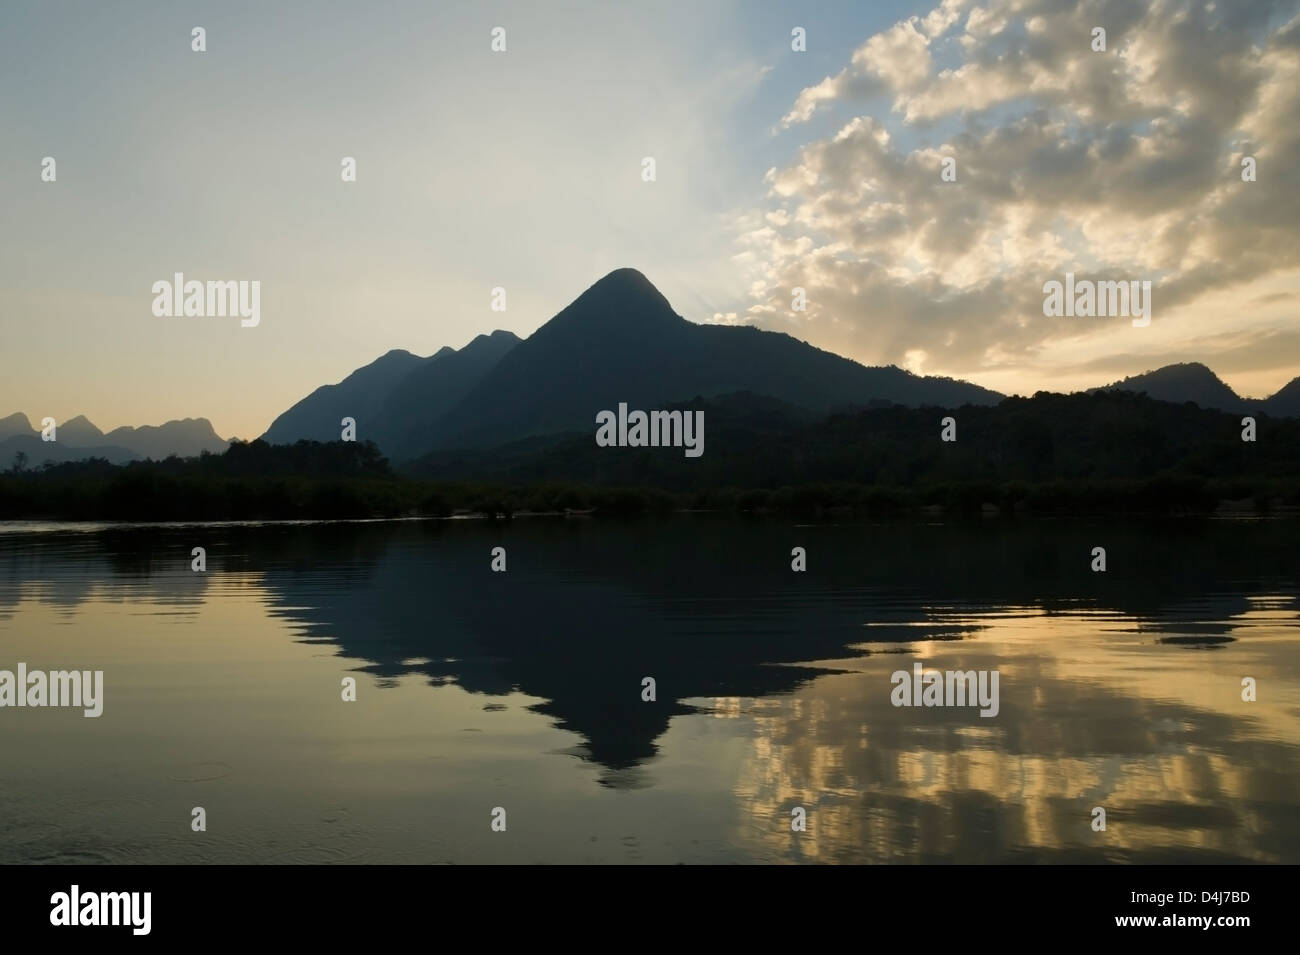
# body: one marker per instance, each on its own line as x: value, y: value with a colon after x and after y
x: 522, y: 169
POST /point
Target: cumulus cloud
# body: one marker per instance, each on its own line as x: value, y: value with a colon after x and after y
x: 1123, y: 164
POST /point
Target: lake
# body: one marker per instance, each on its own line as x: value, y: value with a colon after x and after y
x: 523, y: 691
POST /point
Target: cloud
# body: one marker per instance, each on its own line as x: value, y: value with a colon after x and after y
x: 1117, y: 165
x: 897, y: 59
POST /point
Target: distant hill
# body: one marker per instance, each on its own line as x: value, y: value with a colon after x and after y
x: 78, y: 439
x: 1286, y: 402
x: 1181, y: 383
x: 186, y: 438
x: 15, y: 425
x: 79, y: 432
x: 1192, y: 381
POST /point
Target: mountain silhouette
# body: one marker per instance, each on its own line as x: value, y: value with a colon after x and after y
x: 78, y: 432
x: 78, y: 439
x: 395, y: 400
x: 186, y: 438
x: 620, y: 341
x: 359, y: 396
x: 14, y: 425
x: 414, y: 407
x: 1190, y: 381
x: 1285, y: 403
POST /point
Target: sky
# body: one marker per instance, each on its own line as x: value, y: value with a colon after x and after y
x: 775, y: 169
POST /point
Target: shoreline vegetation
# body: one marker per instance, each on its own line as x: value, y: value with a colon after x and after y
x: 167, y: 500
x: 1109, y: 453
x: 169, y: 491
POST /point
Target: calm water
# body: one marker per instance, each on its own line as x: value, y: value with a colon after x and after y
x: 522, y: 690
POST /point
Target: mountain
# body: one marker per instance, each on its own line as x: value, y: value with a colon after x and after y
x: 78, y: 432
x: 1181, y: 383
x: 1286, y: 402
x: 395, y: 400
x: 618, y: 341
x: 621, y: 341
x: 78, y: 439
x: 427, y: 392
x: 187, y: 438
x: 359, y: 396
x: 1192, y: 381
x: 15, y: 425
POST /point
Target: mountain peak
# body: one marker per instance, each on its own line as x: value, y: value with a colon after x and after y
x: 1186, y: 369
x: 79, y: 431
x: 1185, y: 381
x: 623, y: 299
x: 17, y: 423
x: 626, y: 276
x: 496, y: 341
